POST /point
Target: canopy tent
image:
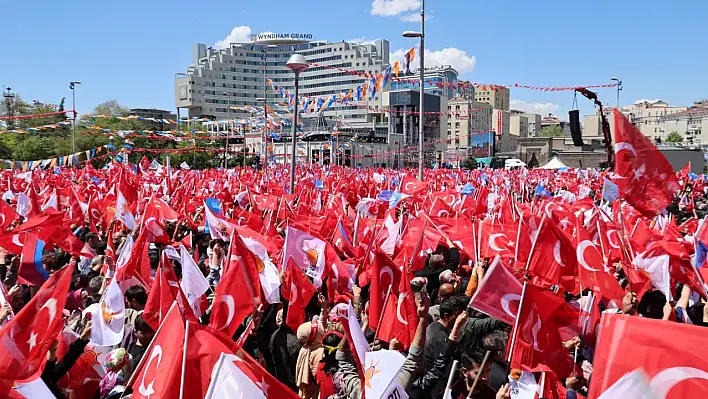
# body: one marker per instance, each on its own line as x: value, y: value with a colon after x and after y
x: 554, y: 163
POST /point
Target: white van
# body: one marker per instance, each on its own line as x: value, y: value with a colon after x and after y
x: 513, y: 163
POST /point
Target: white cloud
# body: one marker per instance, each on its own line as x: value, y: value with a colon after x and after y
x: 542, y: 109
x: 388, y: 8
x: 361, y: 40
x: 239, y: 34
x: 414, y: 17
x: 455, y: 57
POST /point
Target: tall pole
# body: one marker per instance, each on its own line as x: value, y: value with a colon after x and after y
x: 294, y: 134
x: 421, y: 116
x: 73, y: 122
x: 619, y: 88
x: 264, y: 149
x: 226, y: 141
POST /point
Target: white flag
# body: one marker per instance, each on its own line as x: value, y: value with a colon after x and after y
x: 36, y: 389
x: 219, y: 229
x: 123, y: 213
x: 267, y: 272
x: 124, y: 253
x: 345, y: 313
x: 23, y: 204
x: 184, y: 166
x: 108, y: 316
x: 51, y: 202
x: 193, y: 284
x: 229, y: 382
x: 380, y: 371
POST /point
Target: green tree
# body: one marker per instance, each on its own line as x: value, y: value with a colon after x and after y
x: 674, y: 137
x: 470, y: 163
x: 111, y: 107
x: 552, y: 131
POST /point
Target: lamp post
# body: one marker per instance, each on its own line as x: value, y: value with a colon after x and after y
x: 72, y: 86
x: 421, y: 116
x: 619, y: 89
x: 297, y: 64
x: 226, y: 141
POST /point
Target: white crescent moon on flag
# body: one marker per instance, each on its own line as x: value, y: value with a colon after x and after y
x: 16, y: 240
x: 549, y: 212
x: 51, y: 306
x: 506, y: 300
x: 338, y: 243
x: 625, y: 146
x: 231, y: 305
x: 3, y: 219
x: 401, y: 298
x: 293, y: 293
x: 95, y: 213
x: 147, y: 391
x: 666, y: 379
x: 493, y: 244
x: 612, y: 243
x: 406, y: 187
x: 557, y: 253
x: 443, y: 213
x: 451, y: 200
x: 580, y: 252
x: 386, y: 270
x: 534, y: 332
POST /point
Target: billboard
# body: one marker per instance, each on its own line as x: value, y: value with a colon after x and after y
x: 481, y: 144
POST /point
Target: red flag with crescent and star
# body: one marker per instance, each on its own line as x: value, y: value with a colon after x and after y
x: 26, y: 338
x: 646, y: 179
x: 384, y: 275
x: 298, y: 290
x: 669, y: 356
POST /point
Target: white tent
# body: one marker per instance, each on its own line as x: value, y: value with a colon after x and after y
x: 554, y: 163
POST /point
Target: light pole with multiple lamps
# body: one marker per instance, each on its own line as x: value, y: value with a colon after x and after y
x: 72, y: 86
x: 297, y: 63
x: 421, y: 115
x: 619, y: 89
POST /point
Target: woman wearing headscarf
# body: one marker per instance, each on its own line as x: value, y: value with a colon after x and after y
x: 310, y: 335
x: 119, y: 370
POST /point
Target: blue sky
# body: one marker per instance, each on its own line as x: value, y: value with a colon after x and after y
x: 130, y: 50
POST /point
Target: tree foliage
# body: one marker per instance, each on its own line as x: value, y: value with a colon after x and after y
x: 111, y: 107
x: 470, y: 163
x: 674, y: 137
x: 552, y: 131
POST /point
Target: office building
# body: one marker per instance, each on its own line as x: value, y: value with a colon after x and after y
x: 496, y: 96
x: 534, y: 124
x: 219, y: 80
x: 462, y: 123
x: 439, y: 80
x: 552, y: 120
x: 518, y: 125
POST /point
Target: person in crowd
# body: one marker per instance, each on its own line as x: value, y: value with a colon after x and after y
x: 135, y: 300
x: 54, y: 370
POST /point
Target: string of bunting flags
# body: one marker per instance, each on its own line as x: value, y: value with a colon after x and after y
x: 68, y: 160
x: 18, y: 117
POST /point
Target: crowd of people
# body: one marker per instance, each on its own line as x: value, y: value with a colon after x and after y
x: 305, y: 289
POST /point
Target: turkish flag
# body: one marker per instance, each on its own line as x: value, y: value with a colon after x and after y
x: 7, y: 214
x: 497, y: 239
x: 669, y: 354
x: 538, y: 345
x: 400, y: 316
x: 553, y: 255
x: 384, y: 275
x: 26, y: 338
x: 298, y: 290
x: 159, y: 372
x: 239, y: 290
x: 164, y: 291
x: 646, y: 179
x: 498, y: 294
x: 412, y: 187
x: 441, y: 209
x: 592, y: 270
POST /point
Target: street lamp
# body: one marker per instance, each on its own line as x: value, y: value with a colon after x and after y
x: 226, y: 142
x: 297, y: 64
x: 72, y: 86
x: 619, y: 89
x: 421, y: 116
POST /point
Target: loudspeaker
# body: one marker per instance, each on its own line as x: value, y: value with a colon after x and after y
x: 575, y: 131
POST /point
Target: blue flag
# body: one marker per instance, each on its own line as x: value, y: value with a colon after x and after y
x: 467, y: 189
x: 701, y: 251
x: 542, y: 192
x: 318, y: 184
x: 610, y: 191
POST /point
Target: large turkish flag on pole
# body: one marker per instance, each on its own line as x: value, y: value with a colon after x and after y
x: 647, y: 180
x: 672, y: 356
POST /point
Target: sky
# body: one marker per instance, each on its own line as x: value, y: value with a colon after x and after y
x: 130, y: 50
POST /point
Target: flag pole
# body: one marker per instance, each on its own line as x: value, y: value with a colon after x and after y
x: 212, y: 385
x: 515, y: 330
x: 184, y: 360
x: 481, y: 370
x: 452, y: 376
x: 533, y: 244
